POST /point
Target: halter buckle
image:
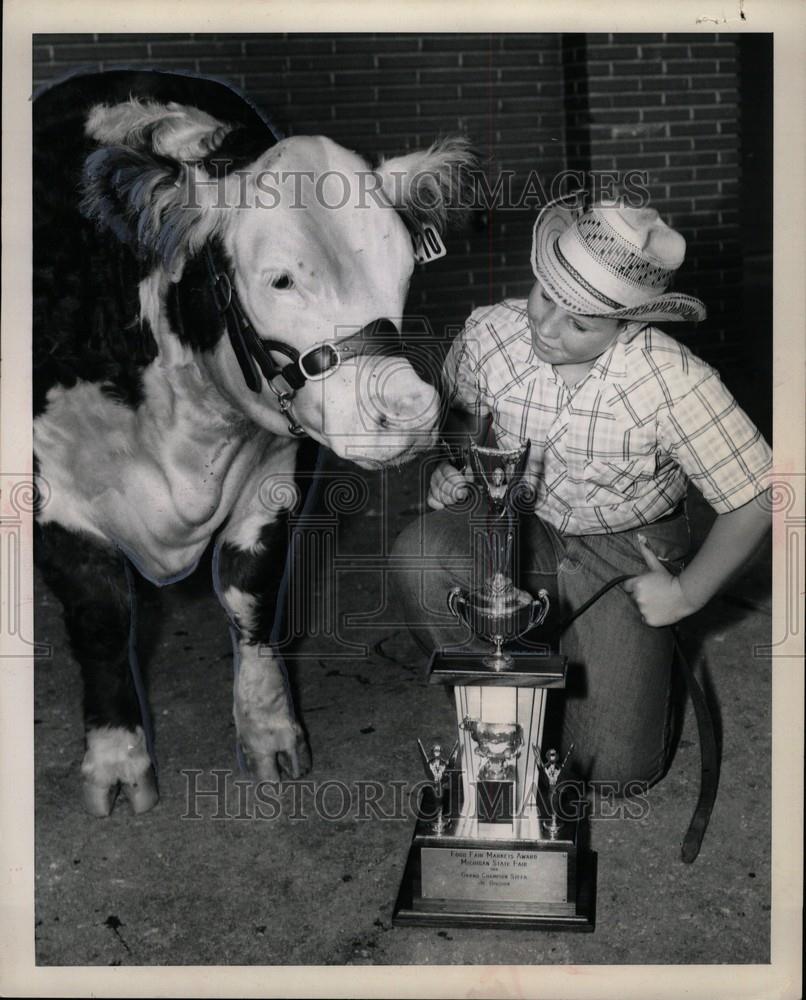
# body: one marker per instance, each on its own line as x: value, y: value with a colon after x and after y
x: 284, y: 400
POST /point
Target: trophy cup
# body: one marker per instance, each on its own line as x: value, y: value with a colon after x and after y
x: 499, y: 611
x: 499, y: 857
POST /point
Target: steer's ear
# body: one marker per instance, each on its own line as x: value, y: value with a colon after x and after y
x: 163, y: 210
x: 147, y: 185
x: 428, y: 184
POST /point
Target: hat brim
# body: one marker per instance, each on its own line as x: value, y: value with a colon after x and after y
x: 553, y: 220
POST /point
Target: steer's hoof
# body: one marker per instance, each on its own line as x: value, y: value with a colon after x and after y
x: 295, y: 763
x: 263, y: 768
x: 99, y: 799
x: 142, y: 794
x: 290, y: 761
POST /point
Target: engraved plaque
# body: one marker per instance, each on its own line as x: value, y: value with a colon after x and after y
x: 498, y: 876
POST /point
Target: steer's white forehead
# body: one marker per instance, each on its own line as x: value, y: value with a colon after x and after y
x: 312, y: 195
x: 310, y: 152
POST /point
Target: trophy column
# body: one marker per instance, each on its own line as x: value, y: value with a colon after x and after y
x: 498, y: 798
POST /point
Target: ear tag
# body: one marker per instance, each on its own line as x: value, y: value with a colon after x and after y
x: 428, y: 245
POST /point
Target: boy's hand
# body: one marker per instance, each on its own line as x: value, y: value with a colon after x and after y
x: 448, y: 486
x: 658, y: 593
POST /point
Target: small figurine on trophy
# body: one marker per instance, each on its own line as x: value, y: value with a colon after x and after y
x: 499, y: 745
x: 497, y: 489
x: 498, y: 472
x: 437, y: 767
x: 552, y: 769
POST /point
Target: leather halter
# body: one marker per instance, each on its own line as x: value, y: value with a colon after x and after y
x: 252, y: 351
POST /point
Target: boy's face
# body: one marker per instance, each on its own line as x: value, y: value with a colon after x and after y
x: 561, y: 338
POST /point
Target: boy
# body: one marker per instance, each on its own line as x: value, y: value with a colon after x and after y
x: 620, y: 417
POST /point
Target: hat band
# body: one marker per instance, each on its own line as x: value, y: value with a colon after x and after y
x: 591, y: 290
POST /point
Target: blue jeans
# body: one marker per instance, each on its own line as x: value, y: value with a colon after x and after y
x: 617, y: 706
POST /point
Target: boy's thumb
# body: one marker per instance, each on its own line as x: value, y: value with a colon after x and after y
x: 650, y: 558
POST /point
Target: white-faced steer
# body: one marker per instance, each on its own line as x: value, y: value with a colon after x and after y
x: 195, y: 323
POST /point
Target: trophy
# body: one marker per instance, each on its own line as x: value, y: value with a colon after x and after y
x: 497, y: 855
x: 438, y: 768
x: 552, y: 770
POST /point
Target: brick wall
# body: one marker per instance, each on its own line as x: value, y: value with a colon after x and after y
x: 666, y: 104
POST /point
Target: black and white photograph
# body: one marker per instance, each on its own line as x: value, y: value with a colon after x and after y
x: 402, y: 501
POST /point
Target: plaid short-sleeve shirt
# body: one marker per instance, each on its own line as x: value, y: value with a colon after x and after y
x: 617, y: 450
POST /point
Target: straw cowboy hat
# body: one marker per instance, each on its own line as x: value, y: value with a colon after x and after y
x: 611, y: 260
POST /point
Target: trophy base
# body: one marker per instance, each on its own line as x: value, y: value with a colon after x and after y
x: 460, y: 881
x: 502, y: 863
x: 527, y: 669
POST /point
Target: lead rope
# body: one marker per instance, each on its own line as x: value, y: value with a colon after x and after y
x: 709, y: 753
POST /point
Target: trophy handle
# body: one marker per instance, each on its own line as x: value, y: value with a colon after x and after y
x: 540, y: 608
x: 457, y: 602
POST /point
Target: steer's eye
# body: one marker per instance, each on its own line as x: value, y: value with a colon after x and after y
x: 281, y: 282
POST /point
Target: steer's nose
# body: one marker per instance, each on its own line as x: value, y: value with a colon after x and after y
x: 423, y: 399
x: 397, y: 385
x: 406, y: 404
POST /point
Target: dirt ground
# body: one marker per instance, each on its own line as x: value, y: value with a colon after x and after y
x: 305, y: 889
